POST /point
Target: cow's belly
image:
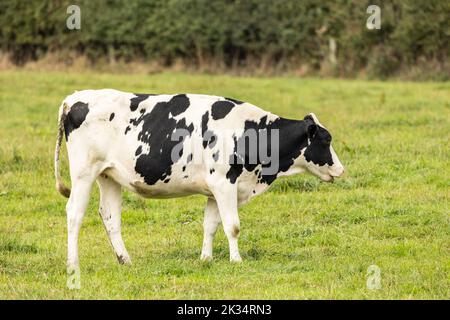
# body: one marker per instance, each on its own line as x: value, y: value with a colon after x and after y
x: 177, y: 186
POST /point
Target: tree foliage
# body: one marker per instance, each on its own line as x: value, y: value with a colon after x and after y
x: 280, y: 34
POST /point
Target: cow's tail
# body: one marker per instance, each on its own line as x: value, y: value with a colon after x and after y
x: 65, y: 191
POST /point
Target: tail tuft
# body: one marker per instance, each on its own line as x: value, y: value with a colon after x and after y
x: 62, y: 189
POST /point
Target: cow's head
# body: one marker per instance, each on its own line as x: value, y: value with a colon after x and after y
x: 319, y: 157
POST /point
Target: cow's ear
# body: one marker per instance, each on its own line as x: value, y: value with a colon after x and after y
x: 311, y: 129
x: 311, y: 126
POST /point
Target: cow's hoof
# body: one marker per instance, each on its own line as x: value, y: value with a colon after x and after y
x: 73, y: 278
x: 124, y: 259
x: 206, y: 258
x: 236, y: 259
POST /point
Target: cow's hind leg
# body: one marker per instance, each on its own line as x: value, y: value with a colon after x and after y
x: 76, y: 208
x: 110, y: 211
x: 210, y: 224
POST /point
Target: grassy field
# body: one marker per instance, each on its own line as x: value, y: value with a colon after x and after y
x: 303, y: 239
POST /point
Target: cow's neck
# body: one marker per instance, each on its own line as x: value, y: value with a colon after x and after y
x: 292, y: 139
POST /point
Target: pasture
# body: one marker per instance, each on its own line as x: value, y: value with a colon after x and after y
x: 303, y: 239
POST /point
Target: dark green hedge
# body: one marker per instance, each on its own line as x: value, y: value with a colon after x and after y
x: 278, y: 33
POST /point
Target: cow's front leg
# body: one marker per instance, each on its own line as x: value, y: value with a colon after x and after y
x: 210, y: 224
x: 110, y: 211
x: 226, y: 198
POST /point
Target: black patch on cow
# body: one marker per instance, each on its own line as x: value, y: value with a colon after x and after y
x: 138, y: 151
x: 216, y: 156
x: 211, y: 171
x: 208, y: 136
x: 318, y: 151
x: 134, y: 102
x: 167, y: 180
x: 75, y: 118
x: 212, y: 141
x: 234, y: 100
x: 111, y: 116
x: 157, y: 125
x: 128, y: 128
x: 234, y: 172
x: 292, y: 139
x: 205, y: 119
x: 189, y: 158
x: 220, y: 109
x: 209, y: 139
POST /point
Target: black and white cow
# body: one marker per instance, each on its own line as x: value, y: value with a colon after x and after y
x: 162, y: 146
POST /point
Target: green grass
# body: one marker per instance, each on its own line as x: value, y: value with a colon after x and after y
x: 302, y: 239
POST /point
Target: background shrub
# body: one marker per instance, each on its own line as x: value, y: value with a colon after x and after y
x: 270, y: 35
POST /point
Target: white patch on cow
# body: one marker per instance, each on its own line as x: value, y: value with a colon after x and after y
x: 337, y: 169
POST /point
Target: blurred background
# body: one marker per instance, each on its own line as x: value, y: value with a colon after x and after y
x: 250, y: 37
